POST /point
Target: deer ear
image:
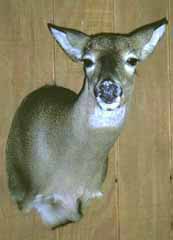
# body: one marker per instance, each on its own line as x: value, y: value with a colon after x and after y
x: 71, y: 41
x: 147, y: 37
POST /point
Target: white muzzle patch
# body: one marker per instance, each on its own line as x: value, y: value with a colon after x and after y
x: 108, y: 106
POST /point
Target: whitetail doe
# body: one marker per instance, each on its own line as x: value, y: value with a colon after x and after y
x: 59, y: 141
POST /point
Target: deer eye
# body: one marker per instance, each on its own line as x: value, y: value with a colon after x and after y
x: 88, y: 62
x: 132, y: 61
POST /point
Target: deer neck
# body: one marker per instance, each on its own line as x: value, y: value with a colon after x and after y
x: 90, y: 121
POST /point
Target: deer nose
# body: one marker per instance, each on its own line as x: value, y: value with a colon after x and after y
x: 108, y: 90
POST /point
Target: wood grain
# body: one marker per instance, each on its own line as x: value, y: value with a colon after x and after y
x: 26, y: 62
x: 144, y: 145
x: 170, y: 69
x: 136, y: 204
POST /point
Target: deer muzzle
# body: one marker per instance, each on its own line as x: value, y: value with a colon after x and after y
x: 108, y: 91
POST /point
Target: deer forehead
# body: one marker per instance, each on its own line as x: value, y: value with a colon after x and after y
x: 108, y: 45
x: 108, y: 42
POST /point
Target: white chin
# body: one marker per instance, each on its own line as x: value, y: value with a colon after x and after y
x: 107, y: 106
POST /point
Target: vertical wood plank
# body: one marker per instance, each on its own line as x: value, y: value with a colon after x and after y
x: 26, y: 51
x: 100, y: 221
x: 144, y: 189
x: 170, y: 68
x: 26, y: 63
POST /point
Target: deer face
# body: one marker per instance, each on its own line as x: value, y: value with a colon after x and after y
x: 110, y: 59
x: 110, y: 66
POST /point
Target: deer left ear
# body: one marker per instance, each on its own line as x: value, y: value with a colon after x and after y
x: 71, y: 41
x: 148, y: 37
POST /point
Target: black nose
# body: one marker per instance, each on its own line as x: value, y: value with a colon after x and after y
x: 109, y: 90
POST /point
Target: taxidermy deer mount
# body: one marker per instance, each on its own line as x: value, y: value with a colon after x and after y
x: 59, y: 141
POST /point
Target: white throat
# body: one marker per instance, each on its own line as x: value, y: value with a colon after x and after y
x: 101, y: 118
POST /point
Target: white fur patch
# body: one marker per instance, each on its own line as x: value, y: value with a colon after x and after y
x: 97, y: 194
x: 92, y: 195
x: 46, y: 212
x: 101, y: 118
x: 61, y: 37
x: 129, y: 69
x: 149, y: 47
x: 52, y: 214
x: 106, y: 106
x: 56, y: 208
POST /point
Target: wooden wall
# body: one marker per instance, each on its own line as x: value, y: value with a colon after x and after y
x: 138, y: 200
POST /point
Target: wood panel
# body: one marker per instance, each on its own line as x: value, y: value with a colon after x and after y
x: 100, y: 221
x: 26, y: 62
x: 136, y: 204
x: 170, y: 69
x: 144, y: 145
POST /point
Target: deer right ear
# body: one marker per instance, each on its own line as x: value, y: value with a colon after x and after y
x: 71, y: 41
x: 147, y: 37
